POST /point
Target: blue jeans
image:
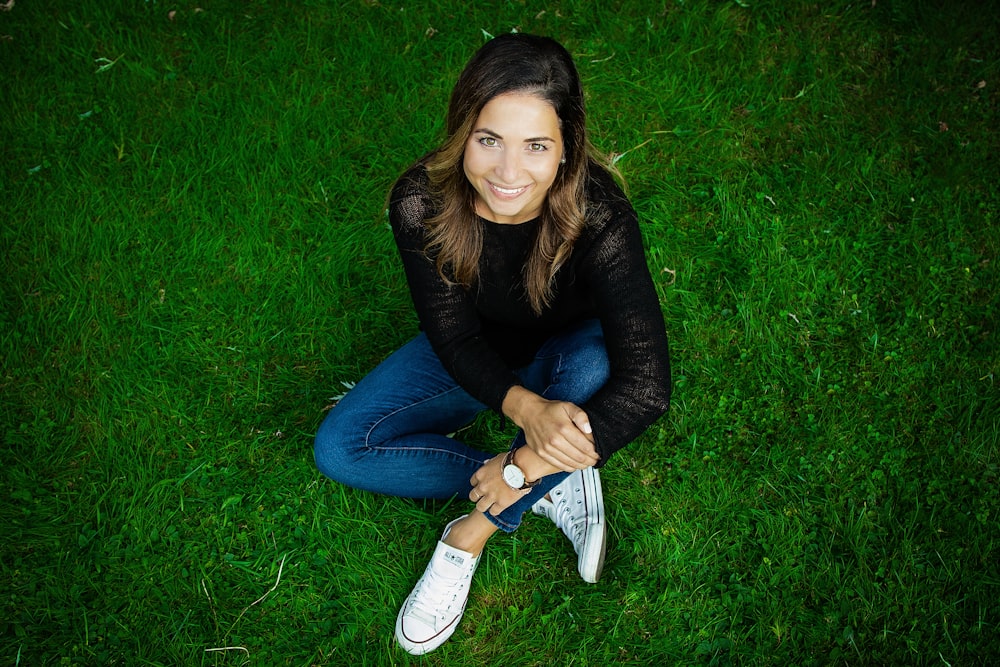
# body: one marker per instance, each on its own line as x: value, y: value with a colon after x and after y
x: 389, y: 433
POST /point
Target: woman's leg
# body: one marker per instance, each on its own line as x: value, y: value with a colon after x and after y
x: 571, y: 366
x: 389, y: 433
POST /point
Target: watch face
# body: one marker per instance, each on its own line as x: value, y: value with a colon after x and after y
x: 513, y: 476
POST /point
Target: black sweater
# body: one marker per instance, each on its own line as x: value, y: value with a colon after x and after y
x: 481, y: 334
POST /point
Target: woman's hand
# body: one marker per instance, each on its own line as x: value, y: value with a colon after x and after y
x: 489, y: 491
x: 557, y: 432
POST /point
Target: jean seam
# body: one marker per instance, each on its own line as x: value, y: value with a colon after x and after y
x: 558, y: 356
x: 380, y: 420
x: 435, y: 450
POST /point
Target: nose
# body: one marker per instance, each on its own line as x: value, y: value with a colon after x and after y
x: 509, y: 167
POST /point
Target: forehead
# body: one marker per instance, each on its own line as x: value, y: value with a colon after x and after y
x: 518, y: 113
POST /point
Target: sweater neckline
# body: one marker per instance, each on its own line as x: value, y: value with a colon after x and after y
x: 527, y: 223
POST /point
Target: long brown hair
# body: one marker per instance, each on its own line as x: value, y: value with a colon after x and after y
x: 511, y: 63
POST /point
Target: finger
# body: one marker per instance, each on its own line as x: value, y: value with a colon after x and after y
x: 558, y: 459
x: 571, y: 459
x: 580, y: 418
x: 572, y: 444
x: 559, y: 453
x: 579, y: 447
x: 576, y: 454
x: 578, y: 444
x: 498, y: 507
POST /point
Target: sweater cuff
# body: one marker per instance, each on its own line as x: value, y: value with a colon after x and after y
x: 503, y: 396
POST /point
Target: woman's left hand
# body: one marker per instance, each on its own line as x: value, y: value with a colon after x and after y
x: 489, y: 491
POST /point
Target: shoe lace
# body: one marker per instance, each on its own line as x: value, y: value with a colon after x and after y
x: 436, y: 596
x: 570, y: 517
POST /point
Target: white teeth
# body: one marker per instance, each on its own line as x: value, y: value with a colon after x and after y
x: 505, y: 191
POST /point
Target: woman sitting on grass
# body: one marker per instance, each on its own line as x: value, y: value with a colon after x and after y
x: 526, y: 268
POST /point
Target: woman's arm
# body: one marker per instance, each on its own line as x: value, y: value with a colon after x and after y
x: 446, y: 311
x: 618, y: 280
x: 558, y: 433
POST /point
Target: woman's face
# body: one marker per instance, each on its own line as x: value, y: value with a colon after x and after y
x: 512, y: 157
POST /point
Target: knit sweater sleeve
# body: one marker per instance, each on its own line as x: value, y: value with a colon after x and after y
x: 618, y: 280
x: 446, y: 311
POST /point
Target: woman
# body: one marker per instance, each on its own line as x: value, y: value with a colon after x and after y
x: 526, y: 268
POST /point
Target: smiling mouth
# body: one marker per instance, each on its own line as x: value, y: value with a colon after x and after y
x: 507, y: 193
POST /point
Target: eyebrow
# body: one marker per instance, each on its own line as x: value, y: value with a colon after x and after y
x: 532, y: 140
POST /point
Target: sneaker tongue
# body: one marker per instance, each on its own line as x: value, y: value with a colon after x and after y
x: 451, y: 562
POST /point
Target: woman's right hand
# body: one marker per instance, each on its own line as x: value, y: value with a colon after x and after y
x: 558, y: 432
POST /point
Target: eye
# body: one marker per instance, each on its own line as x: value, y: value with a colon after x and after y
x: 489, y: 142
x: 537, y: 148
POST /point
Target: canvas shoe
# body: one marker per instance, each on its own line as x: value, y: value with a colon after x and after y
x: 433, y: 609
x: 577, y: 508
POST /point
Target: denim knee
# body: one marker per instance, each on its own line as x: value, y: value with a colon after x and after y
x: 581, y: 370
x: 331, y: 448
x: 589, y: 362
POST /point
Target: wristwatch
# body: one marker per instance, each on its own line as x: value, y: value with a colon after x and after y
x: 513, y: 475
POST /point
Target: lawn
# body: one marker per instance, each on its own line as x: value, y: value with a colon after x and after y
x: 196, y: 264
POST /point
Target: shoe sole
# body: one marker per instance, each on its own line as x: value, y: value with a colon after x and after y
x: 595, y: 544
x: 424, y: 647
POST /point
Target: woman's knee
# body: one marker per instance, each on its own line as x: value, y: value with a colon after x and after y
x: 586, y: 364
x: 336, y: 448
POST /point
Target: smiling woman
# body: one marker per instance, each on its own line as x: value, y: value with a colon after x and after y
x: 527, y: 271
x: 513, y: 156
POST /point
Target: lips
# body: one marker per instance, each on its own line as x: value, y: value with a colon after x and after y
x: 507, y: 193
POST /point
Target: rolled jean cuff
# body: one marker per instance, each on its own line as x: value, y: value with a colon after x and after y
x: 509, y: 519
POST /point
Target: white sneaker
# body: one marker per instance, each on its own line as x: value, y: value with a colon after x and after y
x: 433, y: 609
x: 577, y: 507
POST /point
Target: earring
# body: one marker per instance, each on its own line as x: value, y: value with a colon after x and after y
x: 562, y: 161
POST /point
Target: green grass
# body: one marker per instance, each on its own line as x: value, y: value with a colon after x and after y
x: 195, y: 257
